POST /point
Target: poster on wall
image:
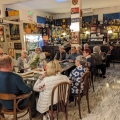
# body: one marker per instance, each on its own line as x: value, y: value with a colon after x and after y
x: 14, y: 32
x: 17, y: 55
x: 75, y: 38
x: 11, y: 52
x: 30, y: 28
x: 18, y: 46
x: 2, y: 39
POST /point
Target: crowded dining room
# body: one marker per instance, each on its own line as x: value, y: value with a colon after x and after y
x: 59, y: 60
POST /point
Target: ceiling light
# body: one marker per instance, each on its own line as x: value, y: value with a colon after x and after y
x: 61, y: 0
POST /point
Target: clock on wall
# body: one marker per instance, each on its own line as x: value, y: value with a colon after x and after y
x: 74, y: 2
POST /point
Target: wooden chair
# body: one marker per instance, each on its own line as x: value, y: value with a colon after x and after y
x: 62, y: 90
x: 16, y: 100
x: 86, y: 77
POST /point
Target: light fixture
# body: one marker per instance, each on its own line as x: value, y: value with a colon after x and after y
x: 64, y: 34
x: 109, y: 31
x: 87, y: 32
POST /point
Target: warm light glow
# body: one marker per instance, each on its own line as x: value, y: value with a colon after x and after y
x: 109, y: 31
x: 64, y: 33
x: 87, y: 32
x: 74, y: 27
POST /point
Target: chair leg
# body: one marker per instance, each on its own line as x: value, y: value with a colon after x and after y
x: 75, y: 101
x: 78, y: 101
x: 30, y: 114
x: 87, y: 98
x: 41, y: 116
x: 66, y: 113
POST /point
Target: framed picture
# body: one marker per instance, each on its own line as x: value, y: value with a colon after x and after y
x: 18, y: 46
x: 17, y: 55
x: 11, y: 52
x: 14, y: 32
x: 2, y: 39
x: 75, y: 37
x: 93, y: 29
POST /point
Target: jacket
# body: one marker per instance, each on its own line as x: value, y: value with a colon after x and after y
x: 45, y: 88
x: 20, y: 63
x: 63, y: 56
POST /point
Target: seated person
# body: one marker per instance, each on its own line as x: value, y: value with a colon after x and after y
x: 72, y: 57
x: 45, y: 85
x: 41, y: 55
x: 98, y: 60
x: 90, y: 60
x: 23, y: 62
x: 110, y: 55
x: 75, y: 76
x: 61, y: 55
x: 12, y: 83
x: 79, y: 50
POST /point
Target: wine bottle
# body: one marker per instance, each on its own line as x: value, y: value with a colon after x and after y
x: 46, y: 22
x: 6, y: 13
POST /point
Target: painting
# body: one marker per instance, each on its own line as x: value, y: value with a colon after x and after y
x: 2, y: 39
x: 14, y: 32
x: 74, y: 10
x: 18, y: 46
x: 30, y: 28
x: 17, y: 55
x: 75, y: 38
x: 93, y: 29
x: 11, y: 52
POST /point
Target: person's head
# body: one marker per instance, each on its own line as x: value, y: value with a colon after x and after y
x: 24, y: 53
x: 111, y: 47
x: 1, y: 52
x: 96, y: 49
x: 80, y: 60
x: 6, y: 63
x: 61, y: 49
x: 86, y: 52
x: 85, y: 46
x: 73, y: 49
x: 79, y: 48
x: 38, y: 50
x: 53, y: 67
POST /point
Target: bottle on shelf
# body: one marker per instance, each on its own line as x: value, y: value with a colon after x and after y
x: 6, y: 13
x: 46, y: 22
x: 52, y: 22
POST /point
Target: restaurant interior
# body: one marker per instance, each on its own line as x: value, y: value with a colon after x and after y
x: 59, y: 59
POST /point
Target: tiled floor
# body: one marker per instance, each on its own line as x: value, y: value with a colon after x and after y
x: 104, y: 102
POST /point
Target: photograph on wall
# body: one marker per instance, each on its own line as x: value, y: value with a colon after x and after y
x: 75, y: 2
x: 30, y: 28
x: 17, y: 55
x: 93, y: 29
x: 18, y: 46
x: 2, y: 39
x: 10, y: 45
x: 14, y: 32
x: 11, y: 52
x: 74, y: 10
x: 75, y: 37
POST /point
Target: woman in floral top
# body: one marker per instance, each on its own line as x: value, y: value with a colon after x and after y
x: 75, y: 76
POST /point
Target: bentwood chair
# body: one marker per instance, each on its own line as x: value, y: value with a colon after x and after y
x: 86, y: 77
x: 16, y: 110
x: 62, y: 91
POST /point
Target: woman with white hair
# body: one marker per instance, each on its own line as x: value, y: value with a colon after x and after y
x: 23, y: 61
x: 99, y: 60
x: 75, y: 76
x: 85, y: 46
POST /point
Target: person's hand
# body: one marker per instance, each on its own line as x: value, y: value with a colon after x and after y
x: 26, y: 68
x: 41, y: 77
x: 71, y: 61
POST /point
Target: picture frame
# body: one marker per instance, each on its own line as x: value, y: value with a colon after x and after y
x: 75, y: 37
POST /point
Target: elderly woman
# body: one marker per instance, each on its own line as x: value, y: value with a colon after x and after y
x: 45, y: 85
x: 86, y: 46
x: 79, y: 50
x: 23, y: 62
x: 98, y: 58
x: 76, y: 74
x: 41, y: 55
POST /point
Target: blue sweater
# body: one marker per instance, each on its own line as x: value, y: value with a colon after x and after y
x: 12, y: 83
x: 72, y: 57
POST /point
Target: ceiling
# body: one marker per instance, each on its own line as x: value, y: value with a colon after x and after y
x: 51, y: 6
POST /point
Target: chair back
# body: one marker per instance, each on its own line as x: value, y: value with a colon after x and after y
x: 86, y: 78
x: 62, y: 90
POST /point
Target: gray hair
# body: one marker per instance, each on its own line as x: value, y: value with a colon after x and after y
x: 81, y: 59
x: 85, y: 45
x: 61, y: 47
x: 24, y: 51
x: 79, y: 47
x: 96, y: 49
x: 38, y: 48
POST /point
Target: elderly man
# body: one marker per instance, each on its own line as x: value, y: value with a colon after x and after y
x: 22, y: 64
x: 72, y: 57
x: 61, y: 55
x: 12, y: 83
